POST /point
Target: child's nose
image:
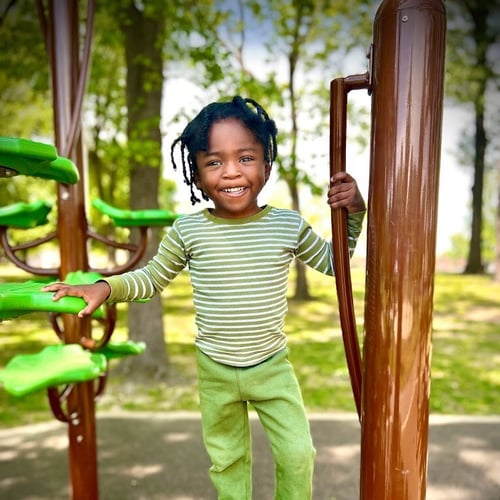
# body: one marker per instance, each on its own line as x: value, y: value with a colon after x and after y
x: 231, y: 168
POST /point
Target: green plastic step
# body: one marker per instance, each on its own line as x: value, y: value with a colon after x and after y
x: 17, y: 299
x: 25, y: 157
x: 25, y: 215
x: 54, y: 365
x: 113, y: 350
x: 135, y: 218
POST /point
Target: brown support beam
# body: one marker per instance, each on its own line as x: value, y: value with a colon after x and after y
x: 63, y: 30
x: 407, y: 86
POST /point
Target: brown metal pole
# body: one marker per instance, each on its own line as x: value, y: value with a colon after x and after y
x: 63, y: 28
x: 339, y: 88
x: 407, y: 85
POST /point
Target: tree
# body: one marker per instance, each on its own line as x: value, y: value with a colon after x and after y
x: 472, y: 78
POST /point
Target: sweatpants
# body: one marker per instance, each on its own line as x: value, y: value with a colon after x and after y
x: 272, y: 389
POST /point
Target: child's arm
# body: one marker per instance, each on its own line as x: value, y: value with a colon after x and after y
x: 344, y: 193
x: 94, y: 294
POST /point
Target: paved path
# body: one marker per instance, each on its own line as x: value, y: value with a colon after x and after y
x: 160, y: 456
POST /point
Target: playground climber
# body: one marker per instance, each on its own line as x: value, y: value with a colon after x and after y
x: 238, y: 253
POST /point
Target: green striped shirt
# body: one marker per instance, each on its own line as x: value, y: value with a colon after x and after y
x: 239, y: 273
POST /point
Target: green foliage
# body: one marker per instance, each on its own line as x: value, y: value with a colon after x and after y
x: 465, y: 360
x: 459, y: 247
x: 24, y: 112
x: 472, y: 48
x: 22, y: 48
x: 24, y: 90
x: 24, y: 79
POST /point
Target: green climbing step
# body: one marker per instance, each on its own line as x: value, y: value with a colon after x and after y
x: 36, y: 159
x: 62, y: 365
x: 23, y: 298
x: 25, y: 215
x: 113, y: 350
x: 54, y: 365
x: 135, y: 218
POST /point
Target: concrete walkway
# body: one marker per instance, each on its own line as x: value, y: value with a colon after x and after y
x: 153, y: 456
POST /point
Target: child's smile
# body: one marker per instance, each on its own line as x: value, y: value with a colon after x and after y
x: 235, y: 191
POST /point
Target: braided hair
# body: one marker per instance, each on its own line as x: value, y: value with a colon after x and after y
x: 194, y: 138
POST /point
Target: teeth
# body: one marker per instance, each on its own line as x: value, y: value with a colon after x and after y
x: 234, y: 190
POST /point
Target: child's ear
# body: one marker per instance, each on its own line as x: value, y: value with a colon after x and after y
x: 196, y: 179
x: 267, y: 171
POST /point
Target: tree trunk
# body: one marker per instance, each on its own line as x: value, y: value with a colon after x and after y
x: 144, y: 94
x: 479, y: 13
x: 474, y: 261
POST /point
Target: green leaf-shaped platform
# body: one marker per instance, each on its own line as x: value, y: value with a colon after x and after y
x: 25, y: 215
x: 23, y: 298
x: 135, y: 218
x: 114, y: 350
x: 54, y: 365
x: 36, y: 159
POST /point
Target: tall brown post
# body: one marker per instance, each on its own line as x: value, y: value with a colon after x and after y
x: 63, y: 29
x: 407, y: 94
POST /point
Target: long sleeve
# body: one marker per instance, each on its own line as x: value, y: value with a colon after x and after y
x: 154, y: 276
x: 317, y: 253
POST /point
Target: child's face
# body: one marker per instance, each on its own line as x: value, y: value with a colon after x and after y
x: 233, y: 171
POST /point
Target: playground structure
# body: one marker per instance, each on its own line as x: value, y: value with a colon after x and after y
x: 75, y: 372
x: 391, y: 381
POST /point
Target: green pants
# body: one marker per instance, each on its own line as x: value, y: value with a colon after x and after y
x: 272, y: 389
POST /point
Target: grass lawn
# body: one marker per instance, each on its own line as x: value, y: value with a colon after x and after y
x: 465, y: 351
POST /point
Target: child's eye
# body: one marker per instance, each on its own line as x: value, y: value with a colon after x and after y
x: 246, y: 159
x: 213, y: 163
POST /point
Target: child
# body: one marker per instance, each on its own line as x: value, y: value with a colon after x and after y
x: 238, y: 254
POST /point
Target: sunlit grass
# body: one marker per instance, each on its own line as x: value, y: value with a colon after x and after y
x: 465, y: 351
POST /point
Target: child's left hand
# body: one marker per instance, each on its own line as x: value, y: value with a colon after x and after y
x: 344, y: 193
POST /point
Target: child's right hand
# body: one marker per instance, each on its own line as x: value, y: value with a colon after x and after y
x: 94, y: 295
